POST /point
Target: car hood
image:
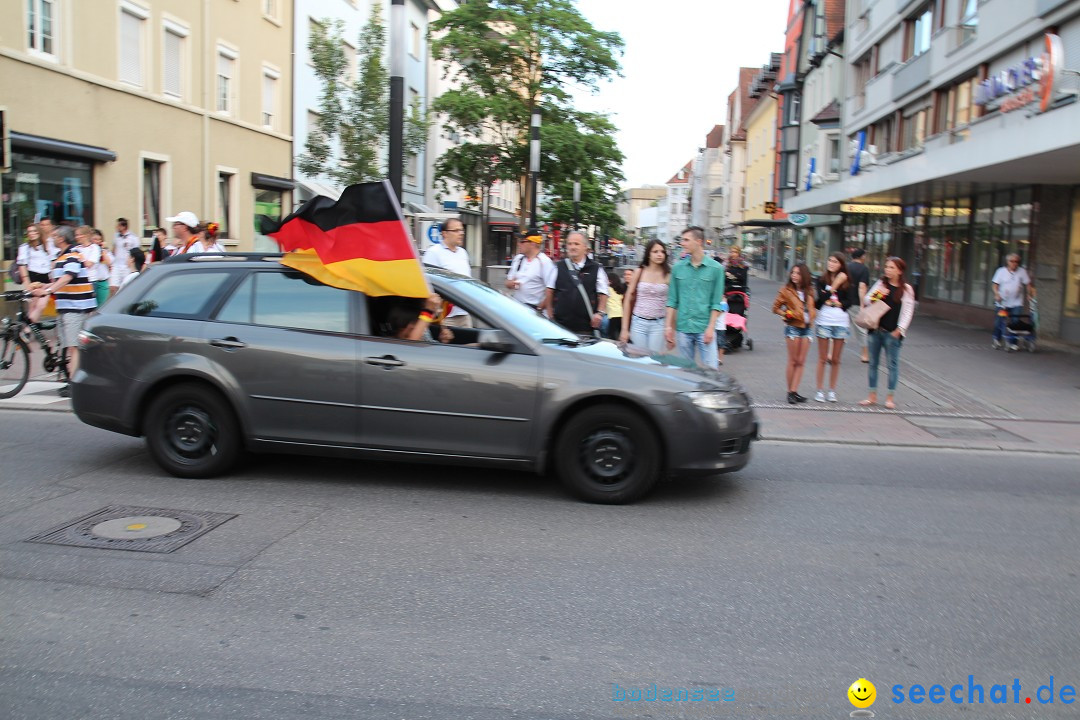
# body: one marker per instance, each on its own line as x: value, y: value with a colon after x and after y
x: 668, y: 366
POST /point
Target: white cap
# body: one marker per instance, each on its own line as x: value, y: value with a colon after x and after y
x: 187, y: 217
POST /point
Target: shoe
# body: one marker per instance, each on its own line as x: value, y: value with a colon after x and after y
x: 1013, y: 347
x: 832, y: 396
x: 791, y: 398
x: 64, y: 391
x: 819, y: 396
x: 996, y: 344
x: 799, y: 398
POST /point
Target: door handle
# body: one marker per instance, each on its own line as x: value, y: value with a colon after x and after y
x: 386, y: 361
x: 229, y: 343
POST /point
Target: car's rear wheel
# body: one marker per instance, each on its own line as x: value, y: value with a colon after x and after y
x: 608, y: 454
x: 192, y: 432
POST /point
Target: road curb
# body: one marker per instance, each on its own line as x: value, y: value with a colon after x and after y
x: 921, y: 446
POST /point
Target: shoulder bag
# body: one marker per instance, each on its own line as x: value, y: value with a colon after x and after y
x: 581, y: 289
x: 870, y: 315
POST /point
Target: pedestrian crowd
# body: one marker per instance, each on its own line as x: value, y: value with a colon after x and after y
x: 79, y: 270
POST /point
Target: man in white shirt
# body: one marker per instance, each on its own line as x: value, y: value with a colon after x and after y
x: 183, y: 229
x: 1009, y: 282
x: 529, y: 271
x: 123, y: 243
x: 450, y: 255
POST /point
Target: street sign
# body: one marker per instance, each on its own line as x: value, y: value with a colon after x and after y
x: 434, y: 235
x: 798, y: 219
x: 770, y: 208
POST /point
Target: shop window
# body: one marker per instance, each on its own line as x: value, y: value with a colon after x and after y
x: 41, y: 27
x: 40, y: 186
x: 984, y: 252
x: 152, y: 171
x: 268, y: 203
x: 132, y: 31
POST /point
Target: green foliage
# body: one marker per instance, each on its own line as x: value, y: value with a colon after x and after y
x: 361, y: 120
x: 509, y: 57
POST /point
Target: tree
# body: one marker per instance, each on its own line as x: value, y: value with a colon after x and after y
x: 355, y: 111
x: 510, y: 57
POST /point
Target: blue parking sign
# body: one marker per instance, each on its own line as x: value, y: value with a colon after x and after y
x: 434, y: 235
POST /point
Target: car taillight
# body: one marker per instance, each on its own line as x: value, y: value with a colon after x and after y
x: 88, y: 340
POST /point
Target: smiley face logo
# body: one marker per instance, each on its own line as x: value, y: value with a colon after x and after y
x: 862, y: 693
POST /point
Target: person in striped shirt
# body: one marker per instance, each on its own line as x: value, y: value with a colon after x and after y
x: 74, y: 294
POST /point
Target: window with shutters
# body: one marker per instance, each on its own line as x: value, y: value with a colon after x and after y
x: 269, y: 99
x: 132, y: 28
x: 41, y: 27
x: 172, y: 60
x: 226, y: 69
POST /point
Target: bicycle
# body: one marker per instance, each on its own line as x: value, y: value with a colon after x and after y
x: 15, y: 350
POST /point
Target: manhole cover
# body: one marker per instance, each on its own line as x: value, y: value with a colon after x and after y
x: 122, y: 527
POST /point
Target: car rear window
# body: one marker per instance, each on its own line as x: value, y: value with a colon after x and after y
x: 287, y: 300
x: 181, y: 294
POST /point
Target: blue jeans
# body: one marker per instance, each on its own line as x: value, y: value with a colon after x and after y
x: 689, y: 343
x: 875, y: 341
x: 648, y: 333
x: 1001, y: 324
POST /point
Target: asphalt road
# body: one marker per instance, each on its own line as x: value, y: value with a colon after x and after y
x: 377, y: 591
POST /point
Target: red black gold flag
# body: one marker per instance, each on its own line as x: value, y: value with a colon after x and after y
x: 358, y: 242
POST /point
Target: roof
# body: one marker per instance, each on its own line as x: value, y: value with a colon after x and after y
x: 715, y: 138
x: 686, y: 171
x: 831, y: 114
x: 747, y: 103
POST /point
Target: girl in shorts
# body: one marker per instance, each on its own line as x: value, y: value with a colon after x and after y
x: 833, y: 328
x: 795, y: 304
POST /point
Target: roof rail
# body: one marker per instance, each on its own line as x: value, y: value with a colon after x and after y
x: 222, y: 256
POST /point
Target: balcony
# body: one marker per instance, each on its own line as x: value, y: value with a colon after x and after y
x: 912, y: 75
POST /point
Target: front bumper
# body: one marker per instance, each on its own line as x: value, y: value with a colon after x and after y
x: 707, y: 443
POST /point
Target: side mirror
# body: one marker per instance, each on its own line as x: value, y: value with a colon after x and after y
x: 498, y: 341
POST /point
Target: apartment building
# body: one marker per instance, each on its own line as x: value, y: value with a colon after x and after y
x: 144, y: 108
x: 633, y: 201
x: 675, y: 209
x: 764, y: 236
x: 962, y: 122
x: 707, y: 185
x: 740, y: 105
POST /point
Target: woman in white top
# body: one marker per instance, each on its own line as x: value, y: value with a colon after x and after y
x: 833, y: 324
x: 206, y: 242
x: 33, y: 263
x: 645, y: 302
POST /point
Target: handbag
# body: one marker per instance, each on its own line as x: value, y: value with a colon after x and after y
x: 870, y: 315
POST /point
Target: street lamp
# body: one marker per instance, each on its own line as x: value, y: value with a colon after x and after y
x: 534, y: 161
x: 577, y: 201
x: 396, y: 157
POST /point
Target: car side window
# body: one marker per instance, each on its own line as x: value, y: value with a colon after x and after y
x: 290, y: 300
x: 181, y: 294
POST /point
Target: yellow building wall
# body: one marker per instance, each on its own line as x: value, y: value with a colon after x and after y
x: 78, y: 98
x: 760, y: 157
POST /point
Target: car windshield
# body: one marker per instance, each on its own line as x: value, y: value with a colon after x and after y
x: 511, y: 313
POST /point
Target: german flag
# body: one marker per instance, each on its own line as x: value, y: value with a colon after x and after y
x: 358, y: 242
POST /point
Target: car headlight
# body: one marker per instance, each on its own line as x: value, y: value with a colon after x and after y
x: 718, y: 401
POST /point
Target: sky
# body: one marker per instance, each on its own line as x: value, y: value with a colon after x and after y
x: 681, y: 61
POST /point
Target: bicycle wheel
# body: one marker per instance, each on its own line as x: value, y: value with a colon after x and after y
x: 14, y: 366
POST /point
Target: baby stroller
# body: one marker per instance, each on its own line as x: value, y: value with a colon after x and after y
x: 1024, y: 326
x: 737, y: 331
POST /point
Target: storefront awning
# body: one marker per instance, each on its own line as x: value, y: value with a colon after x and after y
x: 316, y: 189
x: 271, y: 182
x: 35, y: 143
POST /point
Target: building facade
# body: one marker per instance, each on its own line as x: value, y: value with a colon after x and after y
x: 767, y: 239
x: 964, y: 134
x: 144, y: 108
x: 706, y: 184
x: 676, y: 212
x: 740, y: 105
x: 633, y: 201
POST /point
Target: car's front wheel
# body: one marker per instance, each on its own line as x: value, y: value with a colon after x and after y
x: 192, y: 432
x: 608, y: 454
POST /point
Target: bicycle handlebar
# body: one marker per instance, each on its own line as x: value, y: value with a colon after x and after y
x: 16, y: 294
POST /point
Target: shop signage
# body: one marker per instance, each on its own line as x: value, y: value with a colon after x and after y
x: 798, y: 219
x: 871, y: 209
x: 770, y: 208
x: 1035, y: 78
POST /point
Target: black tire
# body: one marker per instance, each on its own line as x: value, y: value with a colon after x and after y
x: 608, y: 454
x: 192, y: 432
x: 14, y: 366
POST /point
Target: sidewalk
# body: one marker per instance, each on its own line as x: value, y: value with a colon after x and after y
x: 955, y: 391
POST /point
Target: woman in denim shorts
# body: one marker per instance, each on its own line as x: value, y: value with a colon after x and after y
x: 833, y: 325
x: 795, y: 304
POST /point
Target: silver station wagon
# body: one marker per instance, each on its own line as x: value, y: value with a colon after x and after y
x: 209, y: 356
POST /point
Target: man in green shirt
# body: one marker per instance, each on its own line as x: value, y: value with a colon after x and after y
x: 695, y: 300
